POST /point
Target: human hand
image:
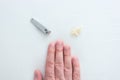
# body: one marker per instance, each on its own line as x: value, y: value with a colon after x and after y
x: 60, y: 65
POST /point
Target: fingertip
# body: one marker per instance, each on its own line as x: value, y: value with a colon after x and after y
x: 66, y: 46
x: 51, y: 47
x: 52, y: 44
x: 59, y: 45
x: 37, y: 75
x: 76, y: 68
x: 74, y: 58
x: 75, y: 61
x: 59, y: 41
x: 67, y: 50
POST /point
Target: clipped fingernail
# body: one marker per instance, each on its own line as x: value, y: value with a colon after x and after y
x: 66, y: 47
x: 59, y: 45
x: 75, y: 61
x: 75, y: 58
x: 59, y: 42
x: 52, y: 44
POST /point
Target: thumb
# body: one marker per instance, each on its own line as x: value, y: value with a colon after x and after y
x: 37, y: 75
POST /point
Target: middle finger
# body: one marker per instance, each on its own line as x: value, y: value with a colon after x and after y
x: 59, y: 65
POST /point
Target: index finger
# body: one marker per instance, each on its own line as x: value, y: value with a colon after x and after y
x: 49, y: 71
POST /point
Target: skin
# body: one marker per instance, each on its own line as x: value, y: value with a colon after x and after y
x: 60, y: 65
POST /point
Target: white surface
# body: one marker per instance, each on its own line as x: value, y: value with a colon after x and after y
x: 23, y: 47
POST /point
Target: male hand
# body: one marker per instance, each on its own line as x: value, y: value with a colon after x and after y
x: 60, y: 65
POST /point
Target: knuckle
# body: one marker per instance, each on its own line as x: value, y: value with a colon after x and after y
x: 49, y: 75
x: 68, y: 66
x: 59, y: 78
x: 59, y: 49
x: 68, y: 69
x: 76, y: 75
x: 49, y: 78
x: 50, y: 64
x: 59, y: 64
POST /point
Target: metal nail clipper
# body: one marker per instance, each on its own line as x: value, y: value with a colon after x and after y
x: 42, y: 28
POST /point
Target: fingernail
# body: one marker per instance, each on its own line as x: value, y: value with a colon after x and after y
x: 76, y: 61
x: 52, y: 44
x: 59, y: 45
x: 59, y: 42
x: 66, y: 47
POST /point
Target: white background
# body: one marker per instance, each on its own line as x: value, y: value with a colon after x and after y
x: 23, y: 47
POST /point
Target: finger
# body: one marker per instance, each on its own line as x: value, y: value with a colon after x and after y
x: 49, y: 72
x: 59, y: 66
x: 67, y: 63
x: 76, y: 68
x: 37, y: 75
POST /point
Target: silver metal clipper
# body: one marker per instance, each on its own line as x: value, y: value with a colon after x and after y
x: 42, y: 28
